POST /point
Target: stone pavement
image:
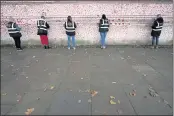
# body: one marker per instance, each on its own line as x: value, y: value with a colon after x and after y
x: 60, y: 81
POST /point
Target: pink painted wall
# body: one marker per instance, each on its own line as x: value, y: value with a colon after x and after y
x: 131, y: 20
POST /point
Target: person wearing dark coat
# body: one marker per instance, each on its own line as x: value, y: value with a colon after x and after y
x: 156, y: 30
x: 70, y: 27
x: 43, y: 27
x: 14, y: 32
x: 103, y: 29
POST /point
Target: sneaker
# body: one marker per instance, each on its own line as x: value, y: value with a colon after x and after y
x: 19, y: 49
x: 156, y: 47
x: 45, y: 47
x: 101, y: 47
x: 74, y: 48
x: 152, y: 47
x: 69, y: 48
x: 104, y: 47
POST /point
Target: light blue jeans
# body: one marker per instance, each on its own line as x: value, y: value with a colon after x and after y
x: 103, y: 38
x: 155, y: 40
x: 73, y: 41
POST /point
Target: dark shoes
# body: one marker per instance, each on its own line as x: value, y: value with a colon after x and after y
x: 19, y: 49
x: 46, y: 47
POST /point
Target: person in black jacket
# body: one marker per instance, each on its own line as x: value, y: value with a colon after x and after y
x: 156, y: 30
x: 43, y: 27
x: 70, y: 27
x: 103, y: 29
x: 14, y: 32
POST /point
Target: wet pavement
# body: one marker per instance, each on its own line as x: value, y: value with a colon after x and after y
x: 87, y: 81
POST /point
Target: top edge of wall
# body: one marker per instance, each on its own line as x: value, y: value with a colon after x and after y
x: 3, y: 2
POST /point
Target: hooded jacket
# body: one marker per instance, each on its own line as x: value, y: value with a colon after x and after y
x: 70, y: 27
x: 157, y: 27
x: 43, y: 27
x: 104, y: 25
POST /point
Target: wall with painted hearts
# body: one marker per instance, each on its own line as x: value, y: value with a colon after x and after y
x: 130, y: 20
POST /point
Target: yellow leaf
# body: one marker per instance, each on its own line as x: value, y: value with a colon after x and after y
x: 112, y: 102
x: 112, y: 97
x: 52, y: 87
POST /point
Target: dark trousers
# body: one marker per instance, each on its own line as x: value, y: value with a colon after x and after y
x: 17, y: 42
x: 155, y: 39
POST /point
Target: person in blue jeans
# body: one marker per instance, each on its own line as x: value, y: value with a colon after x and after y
x: 103, y: 29
x: 70, y: 27
x: 156, y: 30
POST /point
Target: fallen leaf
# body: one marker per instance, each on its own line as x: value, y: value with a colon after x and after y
x: 93, y: 93
x: 29, y: 111
x: 112, y: 102
x: 52, y: 87
x: 38, y: 98
x: 79, y: 101
x: 118, y: 101
x: 112, y: 97
x: 4, y: 94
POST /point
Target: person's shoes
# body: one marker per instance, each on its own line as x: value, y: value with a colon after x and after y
x: 156, y: 47
x: 45, y: 47
x: 152, y: 47
x: 74, y: 48
x: 104, y: 47
x: 19, y: 49
x: 101, y: 47
x: 69, y: 48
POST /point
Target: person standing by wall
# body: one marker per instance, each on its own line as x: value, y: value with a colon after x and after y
x: 103, y: 29
x: 14, y: 32
x: 70, y: 27
x: 156, y: 30
x: 43, y: 27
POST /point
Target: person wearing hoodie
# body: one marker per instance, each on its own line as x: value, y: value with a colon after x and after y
x: 14, y: 32
x: 43, y: 27
x: 156, y: 30
x: 103, y: 29
x: 70, y: 27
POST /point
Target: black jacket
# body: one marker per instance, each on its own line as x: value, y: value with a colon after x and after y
x: 104, y: 25
x: 70, y: 33
x: 15, y: 32
x: 41, y: 30
x: 157, y: 27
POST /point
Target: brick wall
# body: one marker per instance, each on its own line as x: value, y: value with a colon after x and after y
x: 131, y: 20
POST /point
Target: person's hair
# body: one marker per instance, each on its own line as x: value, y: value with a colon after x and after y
x: 69, y: 18
x: 158, y: 15
x: 42, y: 17
x: 103, y: 16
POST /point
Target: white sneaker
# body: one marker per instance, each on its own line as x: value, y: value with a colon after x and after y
x: 74, y: 48
x: 69, y: 48
x: 104, y: 47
